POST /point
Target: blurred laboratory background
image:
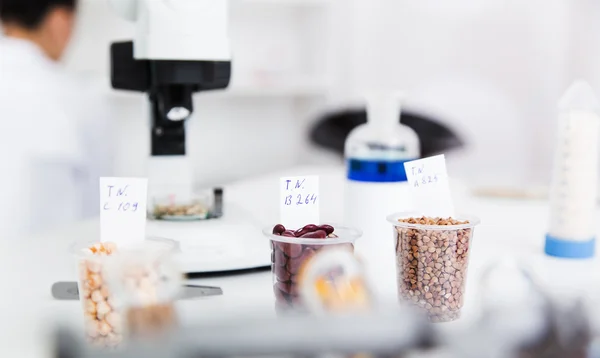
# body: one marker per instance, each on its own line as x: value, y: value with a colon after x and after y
x: 480, y: 83
x: 490, y: 72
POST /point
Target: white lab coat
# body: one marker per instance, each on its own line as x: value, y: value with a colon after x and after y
x: 50, y: 155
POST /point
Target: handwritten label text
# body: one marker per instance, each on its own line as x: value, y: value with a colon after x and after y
x: 123, y: 204
x: 429, y: 184
x: 423, y: 177
x: 299, y: 201
x: 123, y: 209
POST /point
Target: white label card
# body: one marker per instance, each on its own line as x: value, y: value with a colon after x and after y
x: 299, y: 201
x: 123, y: 210
x: 430, y: 189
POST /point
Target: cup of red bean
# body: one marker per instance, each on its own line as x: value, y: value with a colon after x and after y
x: 290, y: 249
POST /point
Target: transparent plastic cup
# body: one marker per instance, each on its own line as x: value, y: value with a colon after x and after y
x: 145, y: 283
x: 102, y: 309
x: 289, y: 255
x: 432, y: 262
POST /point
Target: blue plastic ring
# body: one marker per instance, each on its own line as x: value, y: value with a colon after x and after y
x: 376, y: 171
x: 569, y: 248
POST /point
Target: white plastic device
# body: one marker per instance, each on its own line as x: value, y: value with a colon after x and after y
x: 573, y: 194
x: 376, y: 182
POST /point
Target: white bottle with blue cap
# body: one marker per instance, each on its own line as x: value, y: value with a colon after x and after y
x: 573, y: 195
x: 376, y: 184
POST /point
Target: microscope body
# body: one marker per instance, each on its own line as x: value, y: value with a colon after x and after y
x: 180, y: 47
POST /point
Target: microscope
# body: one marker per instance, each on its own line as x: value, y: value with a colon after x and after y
x: 180, y: 47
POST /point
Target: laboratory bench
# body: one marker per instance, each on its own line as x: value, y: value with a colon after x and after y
x: 510, y: 229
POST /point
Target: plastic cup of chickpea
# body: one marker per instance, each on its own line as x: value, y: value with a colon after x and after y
x: 291, y: 249
x: 432, y: 257
x: 103, y: 311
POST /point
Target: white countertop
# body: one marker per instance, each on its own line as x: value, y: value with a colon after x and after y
x: 509, y: 229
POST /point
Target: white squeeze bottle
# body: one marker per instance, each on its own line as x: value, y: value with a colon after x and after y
x: 376, y: 185
x: 574, y: 189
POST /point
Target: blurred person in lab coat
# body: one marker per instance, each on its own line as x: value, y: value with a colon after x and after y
x: 50, y: 164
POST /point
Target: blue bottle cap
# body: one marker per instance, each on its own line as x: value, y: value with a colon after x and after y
x: 569, y: 248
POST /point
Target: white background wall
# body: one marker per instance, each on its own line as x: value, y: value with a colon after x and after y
x: 493, y: 70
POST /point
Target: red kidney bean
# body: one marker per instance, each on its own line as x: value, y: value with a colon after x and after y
x: 293, y: 250
x: 284, y: 287
x: 306, y: 229
x: 281, y: 246
x: 281, y: 273
x: 327, y: 228
x: 278, y: 245
x: 279, y: 258
x: 288, y: 233
x: 319, y: 234
x: 278, y: 229
x: 294, y: 265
